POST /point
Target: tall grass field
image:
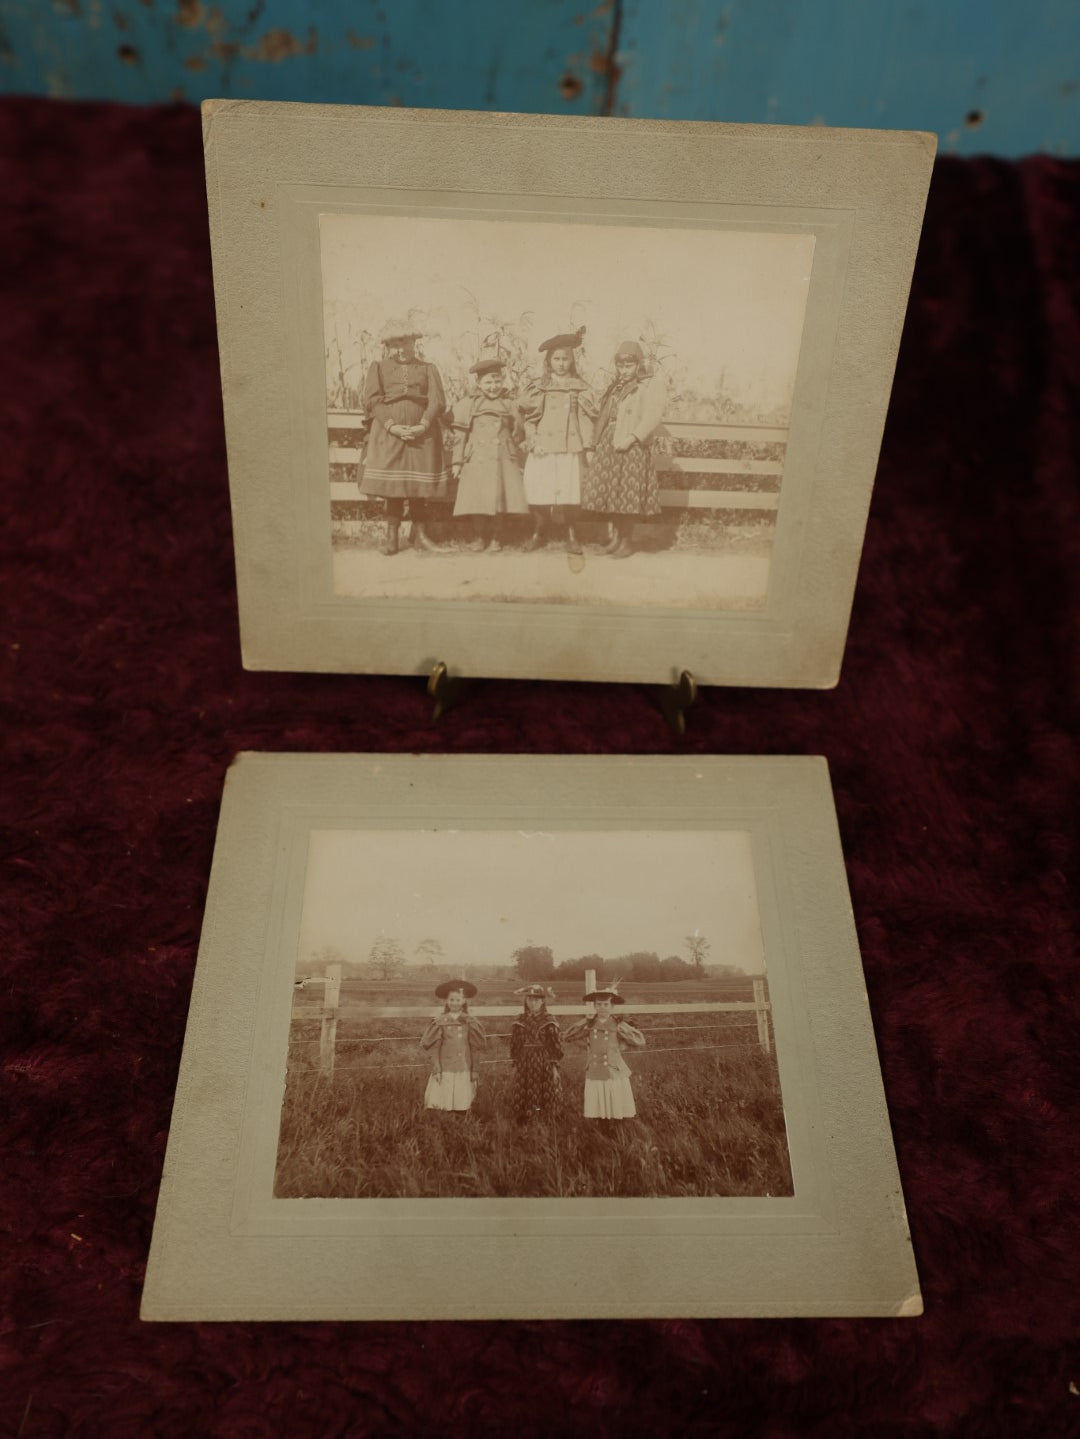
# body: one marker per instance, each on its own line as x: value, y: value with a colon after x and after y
x: 710, y: 1119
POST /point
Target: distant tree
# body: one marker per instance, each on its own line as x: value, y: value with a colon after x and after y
x: 386, y: 957
x: 698, y: 947
x: 673, y: 968
x: 575, y: 968
x: 534, y: 961
x: 429, y: 953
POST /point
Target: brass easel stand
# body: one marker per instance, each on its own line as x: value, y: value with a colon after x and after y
x: 674, y: 700
x: 444, y: 689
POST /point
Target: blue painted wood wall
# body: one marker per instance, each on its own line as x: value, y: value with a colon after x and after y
x: 993, y: 76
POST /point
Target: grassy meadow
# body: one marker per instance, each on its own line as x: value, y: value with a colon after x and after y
x: 710, y: 1118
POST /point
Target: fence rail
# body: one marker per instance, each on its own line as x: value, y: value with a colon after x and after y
x: 335, y: 1007
x: 690, y: 482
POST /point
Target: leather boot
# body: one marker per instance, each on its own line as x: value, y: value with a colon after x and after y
x: 537, y: 538
x: 573, y: 544
x: 612, y: 541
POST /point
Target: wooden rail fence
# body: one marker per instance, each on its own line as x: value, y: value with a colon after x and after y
x: 732, y: 481
x: 333, y: 1009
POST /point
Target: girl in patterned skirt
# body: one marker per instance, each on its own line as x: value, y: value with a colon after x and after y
x: 607, y: 1075
x: 535, y: 1051
x: 621, y: 483
x: 453, y: 1040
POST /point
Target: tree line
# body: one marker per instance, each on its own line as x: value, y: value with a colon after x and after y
x: 387, y: 958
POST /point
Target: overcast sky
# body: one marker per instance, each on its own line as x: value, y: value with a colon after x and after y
x: 483, y: 895
x: 727, y: 300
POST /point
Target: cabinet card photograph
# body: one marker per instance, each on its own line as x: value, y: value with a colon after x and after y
x: 528, y: 1037
x: 497, y: 1015
x: 562, y: 412
x: 554, y: 397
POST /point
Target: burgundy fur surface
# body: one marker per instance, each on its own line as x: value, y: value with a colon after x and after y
x: 951, y: 741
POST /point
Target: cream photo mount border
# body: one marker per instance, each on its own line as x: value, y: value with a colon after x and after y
x: 272, y: 169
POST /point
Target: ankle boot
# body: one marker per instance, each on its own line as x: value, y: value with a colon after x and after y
x: 612, y: 540
x: 390, y: 543
x: 573, y: 544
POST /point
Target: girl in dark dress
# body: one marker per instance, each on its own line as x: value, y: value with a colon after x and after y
x: 535, y: 1052
x: 404, y: 459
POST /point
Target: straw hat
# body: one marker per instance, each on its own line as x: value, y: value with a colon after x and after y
x: 442, y: 990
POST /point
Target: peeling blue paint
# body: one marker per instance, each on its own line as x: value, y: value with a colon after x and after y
x: 987, y: 77
x: 488, y: 54
x: 991, y: 78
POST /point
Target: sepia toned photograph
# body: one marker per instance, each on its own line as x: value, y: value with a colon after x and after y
x: 560, y: 412
x: 562, y: 1015
x: 478, y: 1036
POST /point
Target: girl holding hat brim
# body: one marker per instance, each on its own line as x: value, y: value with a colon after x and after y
x: 558, y: 411
x: 404, y: 460
x: 486, y: 460
x: 453, y: 1041
x: 535, y: 1052
x: 621, y: 481
x: 608, y: 1094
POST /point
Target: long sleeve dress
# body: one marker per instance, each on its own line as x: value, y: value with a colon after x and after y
x: 608, y: 1094
x: 558, y: 413
x: 454, y: 1050
x: 409, y: 394
x: 490, y: 482
x: 535, y: 1052
x: 623, y: 482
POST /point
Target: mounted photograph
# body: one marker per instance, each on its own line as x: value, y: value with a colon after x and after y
x: 554, y: 397
x: 596, y: 1033
x: 542, y: 401
x: 528, y: 1036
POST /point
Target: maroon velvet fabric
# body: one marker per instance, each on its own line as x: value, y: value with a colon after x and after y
x: 950, y: 741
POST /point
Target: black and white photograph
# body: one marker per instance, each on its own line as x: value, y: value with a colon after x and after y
x: 517, y: 1014
x: 558, y: 411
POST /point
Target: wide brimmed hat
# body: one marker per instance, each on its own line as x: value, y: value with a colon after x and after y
x: 535, y: 991
x: 563, y: 342
x: 442, y: 990
x: 484, y: 367
x: 630, y: 350
x: 611, y: 994
x: 398, y: 330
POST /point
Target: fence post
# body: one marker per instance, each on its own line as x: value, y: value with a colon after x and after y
x: 328, y: 1033
x: 762, y: 1016
x: 590, y: 986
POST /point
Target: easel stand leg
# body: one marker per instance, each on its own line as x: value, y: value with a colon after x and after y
x: 674, y: 700
x: 444, y: 689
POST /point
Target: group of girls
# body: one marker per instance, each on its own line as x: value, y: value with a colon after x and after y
x: 454, y: 1040
x: 554, y: 451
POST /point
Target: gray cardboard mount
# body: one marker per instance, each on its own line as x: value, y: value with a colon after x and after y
x: 274, y: 169
x: 225, y: 1248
